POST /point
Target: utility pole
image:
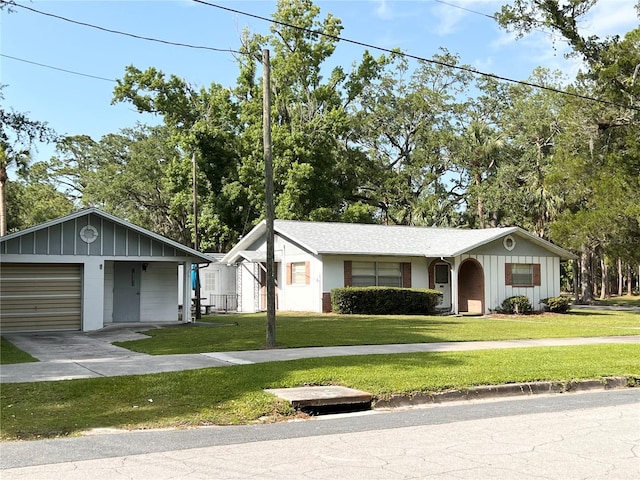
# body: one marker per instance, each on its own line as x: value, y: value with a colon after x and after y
x: 268, y: 198
x: 195, y: 233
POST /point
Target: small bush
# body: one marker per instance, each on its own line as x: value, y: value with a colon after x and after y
x: 518, y: 304
x: 384, y: 300
x: 557, y: 304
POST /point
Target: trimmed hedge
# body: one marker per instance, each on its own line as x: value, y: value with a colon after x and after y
x: 557, y: 304
x: 384, y: 300
x: 518, y: 304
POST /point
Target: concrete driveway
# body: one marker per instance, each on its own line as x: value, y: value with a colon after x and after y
x: 69, y: 355
x: 73, y: 346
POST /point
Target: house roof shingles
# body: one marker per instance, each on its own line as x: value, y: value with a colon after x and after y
x: 371, y: 239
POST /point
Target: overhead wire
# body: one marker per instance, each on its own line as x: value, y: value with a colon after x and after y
x: 418, y: 58
x: 58, y: 68
x: 333, y: 37
x: 492, y: 17
x: 127, y: 34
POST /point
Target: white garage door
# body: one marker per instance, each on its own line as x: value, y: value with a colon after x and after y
x: 40, y: 297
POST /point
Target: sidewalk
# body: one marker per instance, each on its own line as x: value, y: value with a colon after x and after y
x: 91, y: 358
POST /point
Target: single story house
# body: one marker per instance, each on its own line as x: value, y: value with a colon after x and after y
x: 475, y: 269
x: 87, y: 270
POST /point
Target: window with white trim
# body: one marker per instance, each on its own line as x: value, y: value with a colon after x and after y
x: 298, y: 273
x: 381, y: 274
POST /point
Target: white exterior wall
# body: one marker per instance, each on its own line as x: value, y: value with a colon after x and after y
x: 93, y: 294
x: 301, y: 297
x: 249, y: 288
x: 108, y: 292
x: 159, y: 293
x: 495, y: 290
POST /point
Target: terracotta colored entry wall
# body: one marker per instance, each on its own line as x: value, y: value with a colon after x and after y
x: 471, y: 287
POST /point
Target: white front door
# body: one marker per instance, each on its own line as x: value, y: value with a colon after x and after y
x: 442, y: 282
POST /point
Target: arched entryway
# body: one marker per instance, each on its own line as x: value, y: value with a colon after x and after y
x: 470, y: 287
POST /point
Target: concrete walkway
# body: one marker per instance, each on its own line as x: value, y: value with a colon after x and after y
x: 71, y: 355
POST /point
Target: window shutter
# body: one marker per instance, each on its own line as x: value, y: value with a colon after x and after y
x: 432, y: 275
x: 307, y: 273
x: 406, y: 275
x: 289, y: 274
x: 508, y: 270
x: 348, y: 275
x: 537, y: 281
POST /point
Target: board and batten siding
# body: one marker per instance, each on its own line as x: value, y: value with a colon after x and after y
x: 495, y: 289
x: 64, y: 239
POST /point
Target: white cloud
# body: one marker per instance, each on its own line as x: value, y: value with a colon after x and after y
x: 383, y: 10
x: 447, y: 18
x: 611, y: 17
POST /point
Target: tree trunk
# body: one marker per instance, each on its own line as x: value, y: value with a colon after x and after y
x: 586, y: 286
x: 575, y: 266
x: 629, y: 280
x: 604, y: 277
x: 3, y: 203
x: 477, y: 179
x: 620, y: 277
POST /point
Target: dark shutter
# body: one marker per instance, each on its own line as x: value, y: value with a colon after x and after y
x: 508, y: 271
x: 406, y: 275
x: 348, y: 275
x: 432, y: 275
x: 537, y: 281
x: 289, y: 274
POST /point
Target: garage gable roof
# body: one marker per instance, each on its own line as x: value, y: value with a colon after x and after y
x: 97, y: 233
x: 384, y: 240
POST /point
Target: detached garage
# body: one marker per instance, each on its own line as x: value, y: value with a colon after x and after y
x: 87, y: 270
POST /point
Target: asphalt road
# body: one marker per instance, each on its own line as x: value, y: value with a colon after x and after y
x: 591, y: 435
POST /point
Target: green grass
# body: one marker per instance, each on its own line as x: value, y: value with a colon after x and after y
x: 234, y: 395
x: 306, y: 330
x: 11, y: 354
x: 622, y: 301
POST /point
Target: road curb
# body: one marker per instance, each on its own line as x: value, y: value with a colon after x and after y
x: 507, y: 390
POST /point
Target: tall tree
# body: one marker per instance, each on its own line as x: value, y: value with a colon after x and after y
x: 18, y: 135
x: 403, y: 121
x: 203, y: 121
x: 315, y: 167
x: 596, y: 167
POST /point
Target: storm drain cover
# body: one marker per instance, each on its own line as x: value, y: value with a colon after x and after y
x: 317, y: 400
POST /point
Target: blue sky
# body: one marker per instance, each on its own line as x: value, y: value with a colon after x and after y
x: 74, y: 104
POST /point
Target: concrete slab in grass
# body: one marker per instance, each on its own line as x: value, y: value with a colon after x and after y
x: 321, y: 396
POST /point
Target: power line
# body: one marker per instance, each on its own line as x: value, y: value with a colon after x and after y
x: 132, y: 35
x: 416, y: 57
x: 336, y: 38
x: 57, y: 68
x: 492, y: 17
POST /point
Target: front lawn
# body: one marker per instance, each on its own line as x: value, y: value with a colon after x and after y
x: 247, y: 332
x: 234, y: 395
x: 11, y: 354
x: 621, y: 301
